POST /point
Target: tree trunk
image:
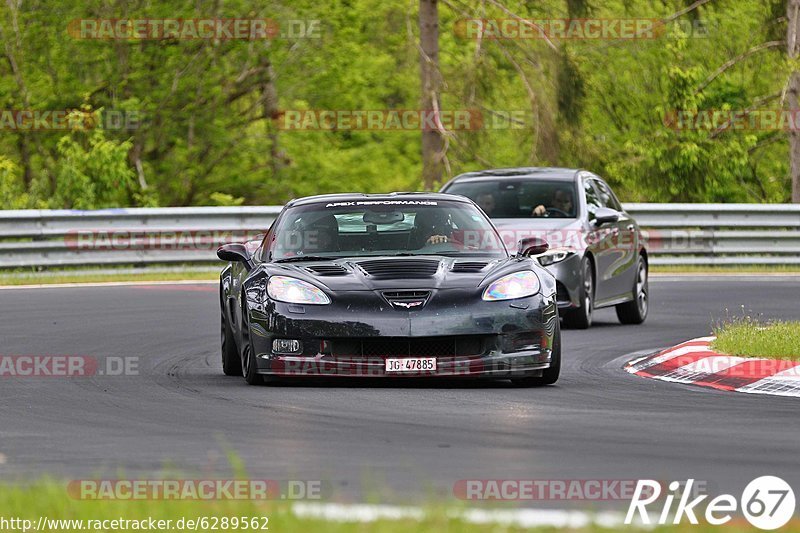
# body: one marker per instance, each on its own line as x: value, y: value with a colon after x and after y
x: 269, y: 96
x: 432, y: 142
x: 792, y: 48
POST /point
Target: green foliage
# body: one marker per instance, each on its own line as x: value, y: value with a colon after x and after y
x: 93, y: 174
x: 206, y: 131
x: 12, y: 191
x: 221, y: 198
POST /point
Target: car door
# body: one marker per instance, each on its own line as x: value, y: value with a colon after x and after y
x: 600, y: 241
x: 625, y: 243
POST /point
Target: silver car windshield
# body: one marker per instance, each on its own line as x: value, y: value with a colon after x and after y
x: 521, y: 198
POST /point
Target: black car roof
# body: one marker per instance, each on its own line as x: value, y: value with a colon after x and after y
x: 551, y: 173
x: 347, y: 197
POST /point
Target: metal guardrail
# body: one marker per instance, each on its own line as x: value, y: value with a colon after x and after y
x: 679, y: 234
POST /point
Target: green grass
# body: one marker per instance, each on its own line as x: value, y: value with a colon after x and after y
x: 105, y: 275
x: 78, y: 275
x: 748, y: 337
x: 50, y: 499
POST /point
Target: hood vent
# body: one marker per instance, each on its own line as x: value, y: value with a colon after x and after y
x: 468, y: 266
x: 327, y: 270
x: 400, y: 268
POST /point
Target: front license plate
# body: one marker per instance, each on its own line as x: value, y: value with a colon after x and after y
x: 411, y: 364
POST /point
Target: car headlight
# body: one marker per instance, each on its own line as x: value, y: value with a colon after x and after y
x: 295, y: 291
x: 556, y: 255
x: 516, y: 285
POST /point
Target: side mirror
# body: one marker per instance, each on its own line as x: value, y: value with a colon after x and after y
x: 604, y: 215
x: 532, y: 246
x: 236, y: 253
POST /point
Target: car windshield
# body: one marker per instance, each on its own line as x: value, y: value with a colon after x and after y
x: 383, y: 227
x: 523, y: 198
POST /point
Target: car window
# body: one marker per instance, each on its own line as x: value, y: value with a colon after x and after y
x: 362, y: 228
x: 593, y: 202
x: 607, y: 197
x: 518, y: 198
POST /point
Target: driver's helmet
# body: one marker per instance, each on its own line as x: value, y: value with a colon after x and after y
x: 429, y: 222
x: 323, y: 235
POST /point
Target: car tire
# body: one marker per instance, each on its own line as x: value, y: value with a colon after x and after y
x: 231, y: 362
x: 550, y: 374
x: 635, y: 311
x: 249, y: 365
x: 251, y: 375
x: 581, y: 318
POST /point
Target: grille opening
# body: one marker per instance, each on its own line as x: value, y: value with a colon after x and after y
x: 327, y: 270
x: 400, y: 269
x: 413, y: 347
x: 406, y: 296
x: 468, y: 266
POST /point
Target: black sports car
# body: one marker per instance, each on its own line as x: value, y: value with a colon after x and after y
x: 401, y: 284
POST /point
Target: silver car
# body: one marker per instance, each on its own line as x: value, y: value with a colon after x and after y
x: 597, y: 252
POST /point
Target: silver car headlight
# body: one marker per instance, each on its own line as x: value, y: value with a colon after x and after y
x: 556, y: 255
x: 295, y: 291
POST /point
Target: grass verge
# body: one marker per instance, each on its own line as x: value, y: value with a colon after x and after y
x: 747, y: 337
x: 105, y: 275
x: 49, y: 501
x: 190, y: 273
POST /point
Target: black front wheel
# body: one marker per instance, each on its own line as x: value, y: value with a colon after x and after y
x: 581, y: 318
x: 550, y: 374
x: 250, y: 368
x: 249, y: 364
x: 231, y: 363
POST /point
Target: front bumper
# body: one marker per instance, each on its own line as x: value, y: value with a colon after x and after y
x: 568, y: 281
x: 505, y: 339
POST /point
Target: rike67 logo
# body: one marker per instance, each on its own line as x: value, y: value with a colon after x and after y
x: 767, y: 503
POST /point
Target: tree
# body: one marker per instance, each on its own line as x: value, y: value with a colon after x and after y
x: 792, y: 93
x: 432, y: 140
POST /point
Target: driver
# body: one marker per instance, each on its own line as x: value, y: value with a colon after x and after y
x: 432, y: 226
x: 562, y: 201
x: 322, y: 235
x: 487, y: 202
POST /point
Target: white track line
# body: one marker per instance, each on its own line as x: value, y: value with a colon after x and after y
x: 524, y: 518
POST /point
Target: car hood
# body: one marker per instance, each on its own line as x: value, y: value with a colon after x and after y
x: 391, y: 272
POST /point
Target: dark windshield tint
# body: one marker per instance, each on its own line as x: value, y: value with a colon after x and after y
x: 520, y: 198
x: 384, y: 227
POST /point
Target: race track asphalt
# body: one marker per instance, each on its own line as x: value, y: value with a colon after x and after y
x: 395, y: 441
